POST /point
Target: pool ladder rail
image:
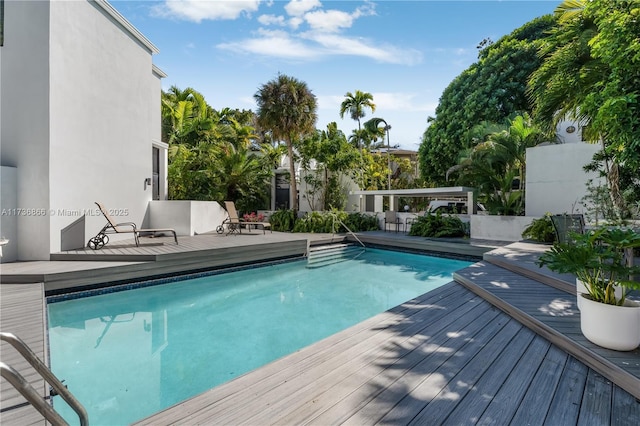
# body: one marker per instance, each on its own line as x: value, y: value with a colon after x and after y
x: 31, y: 395
x: 330, y: 254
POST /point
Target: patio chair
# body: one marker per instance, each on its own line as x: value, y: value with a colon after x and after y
x: 234, y: 223
x: 566, y: 224
x: 390, y: 217
x: 102, y: 238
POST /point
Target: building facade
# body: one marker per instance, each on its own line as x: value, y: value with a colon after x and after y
x: 80, y: 120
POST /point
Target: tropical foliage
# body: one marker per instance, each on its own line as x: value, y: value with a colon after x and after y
x: 287, y: 108
x: 540, y: 230
x: 492, y: 89
x: 438, y: 226
x: 591, y: 71
x: 355, y: 105
x: 214, y: 155
x: 334, y: 221
x: 496, y: 164
x: 334, y: 159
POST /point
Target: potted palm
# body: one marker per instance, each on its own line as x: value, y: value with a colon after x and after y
x: 602, y: 261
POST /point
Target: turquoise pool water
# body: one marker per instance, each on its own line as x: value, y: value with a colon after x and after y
x: 129, y: 354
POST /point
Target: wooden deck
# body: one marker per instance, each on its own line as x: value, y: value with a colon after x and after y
x: 22, y: 312
x: 447, y: 357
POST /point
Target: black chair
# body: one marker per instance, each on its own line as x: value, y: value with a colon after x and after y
x: 567, y: 224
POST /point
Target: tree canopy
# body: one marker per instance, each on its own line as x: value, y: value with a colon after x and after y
x: 591, y: 72
x: 492, y: 89
x: 288, y: 108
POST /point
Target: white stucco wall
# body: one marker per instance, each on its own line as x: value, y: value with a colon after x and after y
x: 498, y: 228
x: 101, y: 117
x: 24, y: 114
x: 79, y: 110
x: 186, y: 217
x: 556, y: 181
x: 8, y: 218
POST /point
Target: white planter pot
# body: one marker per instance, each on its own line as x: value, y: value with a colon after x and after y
x: 610, y: 326
x: 582, y: 289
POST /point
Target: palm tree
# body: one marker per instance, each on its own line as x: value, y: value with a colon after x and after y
x: 288, y: 108
x: 186, y: 116
x: 496, y: 162
x: 571, y: 78
x: 356, y: 104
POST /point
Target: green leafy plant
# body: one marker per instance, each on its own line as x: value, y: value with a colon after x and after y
x: 358, y: 222
x: 283, y: 220
x: 318, y: 222
x: 598, y: 259
x: 438, y: 226
x: 540, y: 230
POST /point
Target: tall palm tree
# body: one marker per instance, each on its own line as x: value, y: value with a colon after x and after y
x: 355, y: 105
x: 288, y: 108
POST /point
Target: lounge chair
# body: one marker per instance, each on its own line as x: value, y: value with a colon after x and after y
x: 102, y: 238
x: 235, y: 224
x: 566, y: 224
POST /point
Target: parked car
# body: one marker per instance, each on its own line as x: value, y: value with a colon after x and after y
x: 448, y: 206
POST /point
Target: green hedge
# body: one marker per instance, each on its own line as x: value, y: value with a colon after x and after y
x: 438, y: 226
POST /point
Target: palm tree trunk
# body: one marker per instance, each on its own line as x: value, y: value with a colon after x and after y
x: 612, y: 182
x: 293, y: 185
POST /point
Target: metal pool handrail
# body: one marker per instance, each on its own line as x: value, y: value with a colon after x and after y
x: 335, y: 217
x: 26, y: 390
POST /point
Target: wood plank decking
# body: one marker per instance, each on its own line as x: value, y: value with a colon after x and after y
x: 22, y: 309
x: 447, y: 357
x: 553, y: 314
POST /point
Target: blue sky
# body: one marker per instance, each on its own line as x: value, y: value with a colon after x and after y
x: 405, y: 53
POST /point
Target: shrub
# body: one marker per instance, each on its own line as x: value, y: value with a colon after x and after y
x: 283, y: 220
x: 540, y: 230
x: 317, y: 222
x: 437, y: 226
x: 358, y: 222
x: 329, y: 222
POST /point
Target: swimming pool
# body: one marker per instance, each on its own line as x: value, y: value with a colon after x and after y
x: 128, y: 354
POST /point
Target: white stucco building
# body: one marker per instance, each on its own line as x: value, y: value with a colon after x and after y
x: 79, y: 122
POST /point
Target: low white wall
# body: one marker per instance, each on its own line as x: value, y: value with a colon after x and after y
x: 8, y: 220
x: 185, y: 216
x: 556, y: 181
x: 499, y: 228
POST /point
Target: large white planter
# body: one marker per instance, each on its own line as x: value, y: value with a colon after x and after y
x: 582, y: 289
x: 610, y: 326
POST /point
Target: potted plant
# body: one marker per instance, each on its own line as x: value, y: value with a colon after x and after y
x: 602, y: 261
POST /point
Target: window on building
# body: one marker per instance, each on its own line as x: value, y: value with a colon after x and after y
x: 1, y: 22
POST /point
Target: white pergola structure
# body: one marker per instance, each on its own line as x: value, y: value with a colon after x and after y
x: 452, y: 192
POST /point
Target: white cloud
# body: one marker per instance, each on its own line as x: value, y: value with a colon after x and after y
x: 401, y: 102
x: 329, y: 20
x: 300, y: 7
x: 341, y: 45
x: 271, y: 20
x: 274, y: 44
x: 323, y: 38
x: 198, y: 10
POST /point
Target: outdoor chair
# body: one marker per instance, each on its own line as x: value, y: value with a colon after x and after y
x: 391, y: 217
x: 102, y: 238
x: 566, y: 224
x: 408, y: 222
x: 234, y: 223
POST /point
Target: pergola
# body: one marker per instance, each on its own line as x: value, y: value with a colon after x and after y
x: 458, y: 192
